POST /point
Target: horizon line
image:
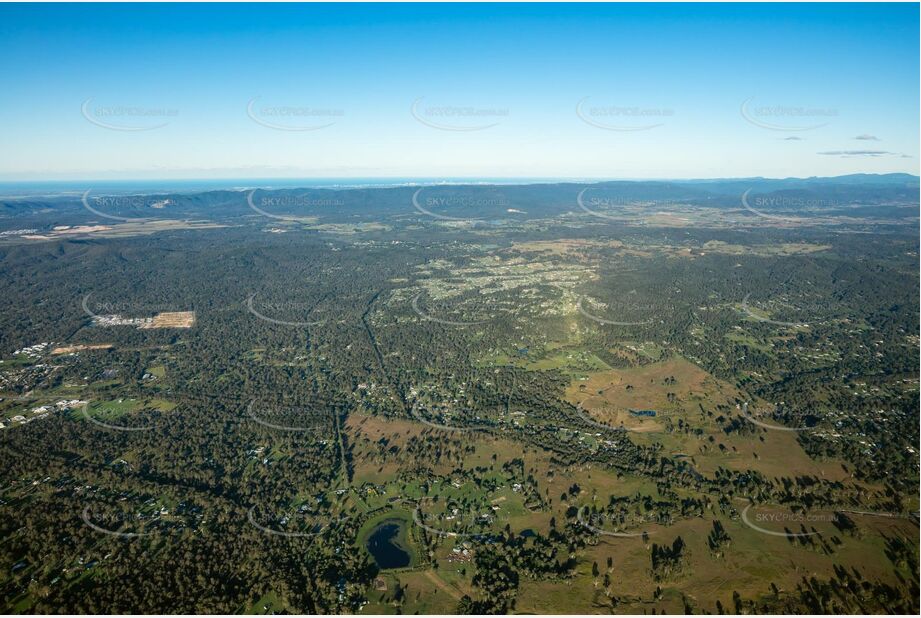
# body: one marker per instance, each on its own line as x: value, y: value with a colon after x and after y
x: 480, y: 179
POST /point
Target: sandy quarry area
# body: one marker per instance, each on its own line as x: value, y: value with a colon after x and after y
x: 79, y: 347
x: 172, y: 319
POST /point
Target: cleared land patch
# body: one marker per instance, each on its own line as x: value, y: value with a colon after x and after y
x: 80, y: 347
x: 172, y: 319
x: 666, y: 388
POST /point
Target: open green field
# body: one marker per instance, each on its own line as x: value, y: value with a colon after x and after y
x: 269, y: 603
x: 568, y: 360
x: 117, y: 408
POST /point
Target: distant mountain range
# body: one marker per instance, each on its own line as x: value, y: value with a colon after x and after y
x: 786, y: 195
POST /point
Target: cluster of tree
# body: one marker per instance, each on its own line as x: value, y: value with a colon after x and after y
x: 718, y: 539
x: 668, y: 561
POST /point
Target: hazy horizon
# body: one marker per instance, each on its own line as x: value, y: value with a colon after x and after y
x: 57, y: 187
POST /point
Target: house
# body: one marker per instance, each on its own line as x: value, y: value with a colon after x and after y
x: 67, y: 404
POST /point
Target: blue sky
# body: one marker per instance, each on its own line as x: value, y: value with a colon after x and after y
x: 557, y: 91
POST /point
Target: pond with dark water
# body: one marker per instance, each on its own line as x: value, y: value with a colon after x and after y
x: 386, y: 544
